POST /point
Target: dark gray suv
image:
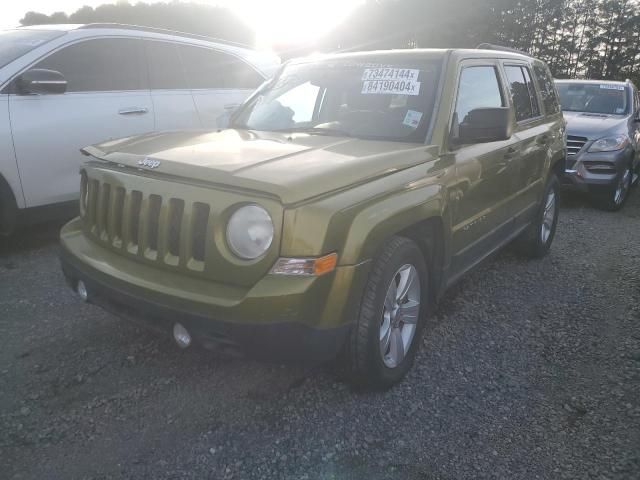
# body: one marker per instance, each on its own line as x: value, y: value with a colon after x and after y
x: 602, y: 138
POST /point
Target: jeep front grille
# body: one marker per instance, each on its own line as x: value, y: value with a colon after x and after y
x: 157, y: 228
x: 575, y: 144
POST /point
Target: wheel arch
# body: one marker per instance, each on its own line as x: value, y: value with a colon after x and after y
x: 428, y: 235
x: 406, y: 215
x: 558, y: 163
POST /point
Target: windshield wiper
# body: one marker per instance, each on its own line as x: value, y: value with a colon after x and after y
x: 336, y: 132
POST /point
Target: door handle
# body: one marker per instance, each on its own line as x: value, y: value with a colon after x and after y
x: 543, y: 140
x: 231, y: 106
x: 133, y: 111
x: 511, y: 153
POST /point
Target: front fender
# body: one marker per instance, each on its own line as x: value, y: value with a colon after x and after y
x: 355, y: 223
x: 374, y: 225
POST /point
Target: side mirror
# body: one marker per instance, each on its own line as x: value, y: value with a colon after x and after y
x: 40, y: 81
x: 484, y: 125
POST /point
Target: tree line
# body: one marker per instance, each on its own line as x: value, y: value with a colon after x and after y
x: 193, y: 18
x: 577, y: 38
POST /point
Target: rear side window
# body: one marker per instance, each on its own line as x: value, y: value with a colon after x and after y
x: 100, y: 65
x: 206, y: 68
x: 547, y: 90
x: 523, y: 92
x: 479, y: 88
x: 165, y: 66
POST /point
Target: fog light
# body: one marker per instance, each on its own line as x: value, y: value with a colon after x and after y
x: 181, y: 336
x: 81, y: 290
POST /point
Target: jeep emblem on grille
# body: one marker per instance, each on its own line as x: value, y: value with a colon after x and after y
x: 149, y: 162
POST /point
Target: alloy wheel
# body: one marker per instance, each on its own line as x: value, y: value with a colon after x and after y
x: 623, y: 187
x: 400, y: 315
x: 548, y: 216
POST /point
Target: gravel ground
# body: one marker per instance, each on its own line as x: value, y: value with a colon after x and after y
x: 530, y: 369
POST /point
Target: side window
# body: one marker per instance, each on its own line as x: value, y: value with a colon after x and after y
x: 206, y: 68
x: 99, y: 65
x: 522, y: 92
x: 535, y: 107
x: 478, y: 88
x: 242, y: 75
x: 547, y: 90
x: 165, y: 66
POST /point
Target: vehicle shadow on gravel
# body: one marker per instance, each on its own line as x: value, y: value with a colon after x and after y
x: 31, y: 238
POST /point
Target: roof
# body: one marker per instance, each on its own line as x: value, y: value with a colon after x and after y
x: 60, y: 27
x: 421, y: 53
x: 595, y: 82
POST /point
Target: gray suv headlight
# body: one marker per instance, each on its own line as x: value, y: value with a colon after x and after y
x: 250, y: 232
x: 610, y: 144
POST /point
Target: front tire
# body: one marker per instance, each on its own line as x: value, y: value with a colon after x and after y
x: 383, y: 343
x: 536, y: 240
x: 613, y: 199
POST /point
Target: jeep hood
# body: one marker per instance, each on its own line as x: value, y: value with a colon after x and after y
x: 292, y: 167
x: 594, y: 125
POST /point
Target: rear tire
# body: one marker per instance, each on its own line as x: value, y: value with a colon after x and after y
x: 613, y: 199
x: 8, y: 209
x: 536, y: 240
x: 383, y: 343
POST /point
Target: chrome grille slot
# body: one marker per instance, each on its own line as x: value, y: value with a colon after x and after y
x: 153, y: 226
x: 134, y: 221
x: 116, y: 213
x: 176, y: 212
x: 92, y: 204
x: 103, y: 210
x: 199, y: 228
x: 575, y: 144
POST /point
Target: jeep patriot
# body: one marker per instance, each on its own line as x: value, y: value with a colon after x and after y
x: 348, y: 193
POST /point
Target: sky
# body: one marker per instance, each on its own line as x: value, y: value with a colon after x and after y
x: 275, y: 21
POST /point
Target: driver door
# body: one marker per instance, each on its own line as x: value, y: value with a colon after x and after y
x: 485, y: 172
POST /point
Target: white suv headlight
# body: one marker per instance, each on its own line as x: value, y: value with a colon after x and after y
x: 610, y: 144
x: 250, y: 232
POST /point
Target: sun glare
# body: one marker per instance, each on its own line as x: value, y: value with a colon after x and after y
x: 293, y: 22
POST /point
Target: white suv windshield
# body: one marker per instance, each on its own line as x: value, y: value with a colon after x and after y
x: 348, y: 97
x: 603, y: 98
x: 15, y: 43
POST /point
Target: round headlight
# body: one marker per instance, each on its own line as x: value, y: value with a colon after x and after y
x: 250, y: 232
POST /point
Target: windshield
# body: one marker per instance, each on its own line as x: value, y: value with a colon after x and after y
x: 15, y: 43
x: 372, y: 100
x: 604, y: 98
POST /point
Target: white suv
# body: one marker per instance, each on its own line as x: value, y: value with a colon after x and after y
x: 63, y: 87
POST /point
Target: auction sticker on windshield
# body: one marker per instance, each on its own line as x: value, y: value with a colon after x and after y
x: 612, y: 87
x: 390, y: 81
x: 412, y: 119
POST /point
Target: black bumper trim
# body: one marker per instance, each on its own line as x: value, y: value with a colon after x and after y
x: 281, y: 342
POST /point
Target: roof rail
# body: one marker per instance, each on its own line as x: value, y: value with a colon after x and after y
x: 166, y: 31
x: 490, y: 46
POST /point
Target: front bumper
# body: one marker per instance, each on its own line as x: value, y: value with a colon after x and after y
x: 591, y: 171
x: 281, y: 318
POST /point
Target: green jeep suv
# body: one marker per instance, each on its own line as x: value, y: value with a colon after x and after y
x: 349, y: 192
